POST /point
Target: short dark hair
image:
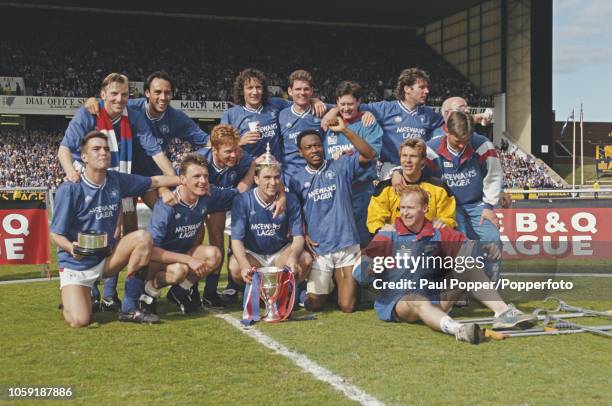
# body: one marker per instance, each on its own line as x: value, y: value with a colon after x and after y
x: 91, y: 135
x: 305, y: 133
x: 191, y: 159
x: 349, y: 88
x: 158, y: 74
x: 242, y: 78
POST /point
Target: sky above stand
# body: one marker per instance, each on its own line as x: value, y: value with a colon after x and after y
x: 582, y: 58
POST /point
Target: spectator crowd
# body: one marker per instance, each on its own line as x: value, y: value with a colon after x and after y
x: 30, y: 159
x: 522, y: 172
x: 204, y: 57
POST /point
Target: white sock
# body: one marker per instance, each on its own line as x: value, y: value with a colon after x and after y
x: 186, y: 284
x: 497, y: 314
x: 449, y: 326
x: 151, y: 290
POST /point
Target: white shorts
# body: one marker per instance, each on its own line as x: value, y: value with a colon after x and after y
x: 267, y: 260
x: 320, y: 281
x: 228, y: 223
x: 82, y: 278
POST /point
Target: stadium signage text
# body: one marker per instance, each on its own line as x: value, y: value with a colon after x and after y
x: 561, y: 232
x: 24, y: 230
x: 68, y: 105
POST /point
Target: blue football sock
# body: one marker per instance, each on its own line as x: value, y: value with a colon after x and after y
x: 95, y: 292
x: 212, y: 281
x: 110, y: 286
x: 134, y: 287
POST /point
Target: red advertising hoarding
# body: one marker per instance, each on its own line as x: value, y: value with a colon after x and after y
x: 24, y: 230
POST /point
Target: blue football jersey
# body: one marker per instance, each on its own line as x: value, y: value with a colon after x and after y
x: 84, y: 122
x: 325, y: 195
x: 399, y: 123
x: 85, y: 206
x: 291, y: 124
x: 336, y: 143
x: 253, y: 224
x: 172, y: 124
x: 227, y: 177
x: 266, y: 118
x: 175, y: 228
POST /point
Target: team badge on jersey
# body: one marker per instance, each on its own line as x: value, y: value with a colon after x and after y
x: 114, y: 193
x: 448, y: 164
x: 165, y: 129
x: 332, y: 139
x: 306, y: 184
x: 88, y: 199
x: 397, y: 119
x: 232, y: 176
x: 330, y: 174
x: 289, y: 125
x: 177, y: 216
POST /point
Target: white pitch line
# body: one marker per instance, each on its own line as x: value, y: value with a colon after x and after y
x: 321, y: 373
x: 14, y: 282
x: 593, y: 275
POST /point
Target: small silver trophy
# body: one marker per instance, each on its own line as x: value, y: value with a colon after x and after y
x: 269, y: 291
x: 92, y: 243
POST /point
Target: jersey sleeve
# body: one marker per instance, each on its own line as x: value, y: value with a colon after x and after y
x: 373, y: 135
x: 79, y: 126
x: 491, y: 168
x: 436, y: 122
x: 133, y: 185
x: 189, y: 130
x: 446, y: 206
x: 243, y: 166
x: 379, y: 109
x: 221, y: 199
x: 225, y: 118
x: 278, y: 104
x: 63, y: 209
x: 158, y: 225
x: 294, y: 215
x: 143, y: 133
x: 239, y: 217
x: 379, y: 210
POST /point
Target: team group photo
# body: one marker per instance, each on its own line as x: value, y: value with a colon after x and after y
x: 254, y: 207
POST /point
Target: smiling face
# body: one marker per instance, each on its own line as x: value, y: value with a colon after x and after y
x: 411, y: 160
x: 115, y: 96
x: 253, y: 93
x: 311, y: 150
x: 412, y: 211
x: 301, y: 92
x: 226, y: 154
x: 349, y: 106
x: 268, y: 181
x: 195, y: 179
x: 159, y: 95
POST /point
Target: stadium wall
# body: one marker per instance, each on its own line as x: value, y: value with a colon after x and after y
x: 505, y: 47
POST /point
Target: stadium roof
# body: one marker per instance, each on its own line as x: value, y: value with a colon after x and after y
x: 406, y: 13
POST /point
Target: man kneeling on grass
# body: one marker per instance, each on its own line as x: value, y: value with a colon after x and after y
x: 412, y: 286
x: 178, y: 257
x: 94, y: 204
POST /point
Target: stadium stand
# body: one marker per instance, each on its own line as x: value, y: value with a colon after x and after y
x: 204, y: 70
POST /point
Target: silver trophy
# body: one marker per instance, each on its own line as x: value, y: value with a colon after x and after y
x: 268, y: 287
x: 92, y: 243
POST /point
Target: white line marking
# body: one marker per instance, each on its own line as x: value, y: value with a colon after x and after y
x: 15, y: 282
x: 323, y: 374
x: 593, y: 275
